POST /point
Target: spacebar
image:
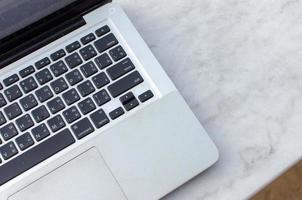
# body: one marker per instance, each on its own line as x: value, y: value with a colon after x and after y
x: 35, y: 155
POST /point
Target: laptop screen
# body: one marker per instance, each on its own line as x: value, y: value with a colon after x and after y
x: 17, y: 14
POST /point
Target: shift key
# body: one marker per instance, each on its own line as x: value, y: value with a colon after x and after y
x: 125, y: 84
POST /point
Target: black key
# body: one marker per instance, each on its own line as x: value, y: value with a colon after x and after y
x: 74, y: 77
x: 120, y: 69
x: 55, y: 105
x: 40, y: 114
x: 117, y: 53
x: 44, y: 94
x: 73, y: 60
x: 100, y: 80
x: 40, y: 132
x: 28, y: 85
x: 57, y: 55
x: 12, y: 111
x: 44, y: 76
x: 125, y: 84
x: 2, y: 120
x: 131, y: 104
x: 34, y: 156
x: 89, y: 69
x: 101, y: 97
x: 88, y: 38
x: 10, y: 80
x: 71, y: 96
x: 8, y: 131
x: 24, y: 122
x: 28, y: 102
x: 86, y: 106
x: 146, y: 96
x: 13, y: 93
x: 82, y: 128
x: 58, y: 68
x: 2, y: 101
x: 42, y: 63
x: 73, y: 46
x: 59, y: 85
x: 86, y: 88
x: 103, y: 61
x: 102, y: 31
x: 88, y: 52
x: 99, y: 118
x: 56, y: 123
x: 24, y: 141
x: 8, y: 150
x: 106, y: 42
x: 116, y: 113
x: 1, y: 86
x: 71, y: 114
x: 126, y: 98
x: 27, y: 71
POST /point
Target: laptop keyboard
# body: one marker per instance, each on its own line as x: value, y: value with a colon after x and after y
x: 58, y: 100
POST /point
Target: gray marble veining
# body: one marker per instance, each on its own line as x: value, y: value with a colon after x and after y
x: 238, y: 63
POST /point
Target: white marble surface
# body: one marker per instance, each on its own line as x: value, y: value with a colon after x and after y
x: 238, y: 63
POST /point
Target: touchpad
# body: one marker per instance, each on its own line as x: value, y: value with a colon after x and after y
x: 84, y: 177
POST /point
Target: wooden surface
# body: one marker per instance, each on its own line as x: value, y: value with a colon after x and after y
x: 286, y: 187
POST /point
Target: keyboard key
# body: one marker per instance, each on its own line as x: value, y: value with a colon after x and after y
x: 120, y: 69
x: 74, y: 77
x: 127, y: 98
x: 71, y: 96
x: 40, y: 114
x: 73, y: 60
x: 34, y: 156
x: 24, y: 141
x: 88, y: 52
x: 42, y: 63
x: 89, y: 69
x: 99, y: 118
x: 88, y: 38
x: 57, y: 55
x: 117, y: 53
x: 24, y: 122
x: 101, y: 97
x: 106, y: 42
x: 1, y: 86
x: 86, y: 106
x: 2, y: 120
x: 12, y: 111
x: 71, y: 114
x: 146, y: 96
x: 44, y: 76
x: 27, y: 71
x: 55, y: 105
x: 10, y: 80
x: 73, y: 46
x: 8, y: 150
x: 13, y: 93
x: 82, y: 128
x: 100, y: 80
x: 56, y: 123
x: 44, y: 94
x: 2, y: 101
x: 28, y: 102
x: 86, y: 88
x: 103, y: 61
x: 28, y: 85
x: 8, y: 131
x: 125, y: 84
x: 59, y: 85
x: 58, y: 68
x: 116, y: 113
x: 131, y: 104
x: 40, y: 132
x: 102, y: 31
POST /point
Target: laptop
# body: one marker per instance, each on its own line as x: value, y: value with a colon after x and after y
x: 86, y: 111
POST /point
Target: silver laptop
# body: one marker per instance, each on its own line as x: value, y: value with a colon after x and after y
x: 86, y: 111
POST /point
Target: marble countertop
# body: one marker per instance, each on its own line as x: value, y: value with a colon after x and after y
x: 238, y: 63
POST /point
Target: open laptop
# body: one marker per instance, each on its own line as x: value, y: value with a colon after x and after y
x: 86, y: 111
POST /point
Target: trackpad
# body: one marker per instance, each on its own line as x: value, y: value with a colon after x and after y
x: 85, y: 177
